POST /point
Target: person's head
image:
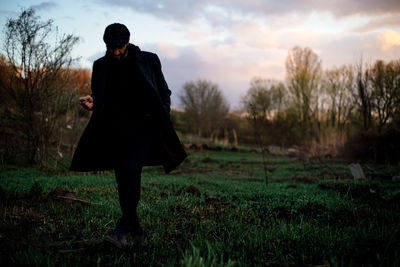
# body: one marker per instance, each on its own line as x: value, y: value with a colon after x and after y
x: 116, y: 36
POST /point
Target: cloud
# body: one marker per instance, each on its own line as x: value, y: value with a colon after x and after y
x: 339, y: 7
x: 168, y: 49
x: 186, y: 66
x: 389, y: 39
x: 44, y: 6
x: 389, y: 20
x: 221, y: 11
x: 255, y: 35
x: 231, y: 41
x: 350, y: 49
x: 90, y: 59
x: 7, y: 13
x: 169, y: 9
x: 231, y: 66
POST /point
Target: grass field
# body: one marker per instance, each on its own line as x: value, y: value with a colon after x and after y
x: 214, y: 210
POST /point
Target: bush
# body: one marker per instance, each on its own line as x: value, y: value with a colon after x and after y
x: 372, y: 146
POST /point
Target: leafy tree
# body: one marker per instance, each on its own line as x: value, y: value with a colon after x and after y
x: 37, y: 55
x: 204, y: 106
x: 265, y: 96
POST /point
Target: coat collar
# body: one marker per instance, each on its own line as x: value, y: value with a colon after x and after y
x: 137, y: 55
x: 132, y: 50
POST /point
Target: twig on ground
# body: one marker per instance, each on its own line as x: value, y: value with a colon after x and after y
x: 71, y: 250
x: 78, y: 200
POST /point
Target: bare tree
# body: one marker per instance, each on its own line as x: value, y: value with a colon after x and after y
x: 363, y: 95
x: 79, y: 82
x: 339, y: 83
x: 80, y: 79
x: 396, y: 106
x: 303, y: 72
x: 204, y: 106
x: 385, y: 81
x: 37, y: 54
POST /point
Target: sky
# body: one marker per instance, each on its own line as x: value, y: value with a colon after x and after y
x: 227, y: 42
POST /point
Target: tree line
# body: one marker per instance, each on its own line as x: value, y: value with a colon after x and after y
x: 353, y: 109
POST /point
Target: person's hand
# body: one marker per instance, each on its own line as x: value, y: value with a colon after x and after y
x: 86, y: 102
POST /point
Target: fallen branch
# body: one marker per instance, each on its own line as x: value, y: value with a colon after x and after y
x: 78, y: 200
x: 71, y: 250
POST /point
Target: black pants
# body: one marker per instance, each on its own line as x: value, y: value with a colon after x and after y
x: 131, y: 158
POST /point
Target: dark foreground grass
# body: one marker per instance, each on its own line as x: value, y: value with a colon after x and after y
x: 215, y: 210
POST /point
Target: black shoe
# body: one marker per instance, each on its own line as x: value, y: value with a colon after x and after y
x: 118, y: 239
x: 137, y: 236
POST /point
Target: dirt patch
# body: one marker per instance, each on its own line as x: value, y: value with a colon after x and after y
x: 64, y: 196
x: 22, y: 216
x: 311, y: 210
x: 60, y: 192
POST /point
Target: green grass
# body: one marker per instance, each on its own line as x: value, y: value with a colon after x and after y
x: 214, y: 210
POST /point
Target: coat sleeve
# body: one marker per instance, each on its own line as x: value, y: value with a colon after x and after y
x: 93, y: 85
x: 97, y: 86
x: 162, y: 85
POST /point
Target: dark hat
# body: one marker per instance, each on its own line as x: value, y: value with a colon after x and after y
x: 116, y: 35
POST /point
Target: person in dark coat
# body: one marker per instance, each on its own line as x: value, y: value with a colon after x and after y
x: 130, y: 125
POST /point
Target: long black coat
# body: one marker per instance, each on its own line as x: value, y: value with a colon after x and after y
x: 93, y: 153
